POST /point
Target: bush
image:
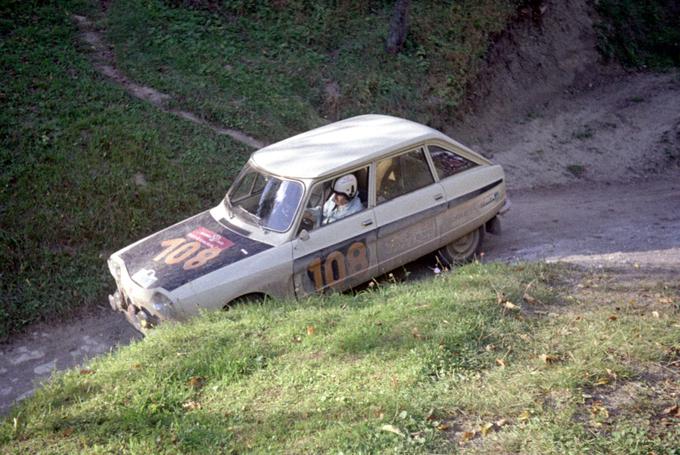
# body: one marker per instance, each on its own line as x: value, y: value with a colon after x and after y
x: 640, y: 34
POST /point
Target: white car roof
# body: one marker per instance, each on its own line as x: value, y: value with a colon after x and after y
x: 342, y: 145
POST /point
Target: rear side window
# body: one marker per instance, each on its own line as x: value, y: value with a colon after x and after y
x: 402, y: 174
x: 448, y: 163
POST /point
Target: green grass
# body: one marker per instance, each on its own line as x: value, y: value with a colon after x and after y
x: 71, y: 144
x: 397, y: 368
x: 269, y: 69
x: 640, y: 34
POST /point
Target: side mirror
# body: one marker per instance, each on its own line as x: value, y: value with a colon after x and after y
x: 303, y: 235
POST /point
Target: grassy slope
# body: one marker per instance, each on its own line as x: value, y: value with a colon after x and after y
x: 70, y: 147
x: 405, y: 368
x: 268, y: 70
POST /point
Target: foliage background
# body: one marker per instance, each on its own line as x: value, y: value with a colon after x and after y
x: 640, y: 34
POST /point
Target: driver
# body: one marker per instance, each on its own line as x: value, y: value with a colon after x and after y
x: 344, y: 200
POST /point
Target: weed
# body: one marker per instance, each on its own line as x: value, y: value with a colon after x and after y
x: 532, y: 115
x: 540, y: 153
x: 584, y: 133
x: 577, y: 170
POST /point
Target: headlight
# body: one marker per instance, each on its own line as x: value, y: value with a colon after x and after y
x: 115, y: 269
x: 162, y: 304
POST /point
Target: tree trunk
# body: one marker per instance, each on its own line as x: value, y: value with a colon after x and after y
x: 398, y: 27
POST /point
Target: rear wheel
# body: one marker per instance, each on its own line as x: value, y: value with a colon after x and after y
x: 463, y: 249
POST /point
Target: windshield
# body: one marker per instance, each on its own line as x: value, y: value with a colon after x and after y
x: 264, y: 199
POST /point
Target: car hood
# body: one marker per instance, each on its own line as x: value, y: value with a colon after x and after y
x: 186, y: 251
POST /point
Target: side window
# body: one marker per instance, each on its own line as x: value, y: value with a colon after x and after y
x: 448, y: 163
x: 402, y: 174
x: 334, y: 199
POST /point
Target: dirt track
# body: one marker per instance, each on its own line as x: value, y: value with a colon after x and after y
x: 596, y: 224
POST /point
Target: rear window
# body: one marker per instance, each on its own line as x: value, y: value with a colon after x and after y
x: 447, y: 162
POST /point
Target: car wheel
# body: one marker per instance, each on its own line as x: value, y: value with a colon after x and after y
x: 464, y: 248
x: 245, y: 299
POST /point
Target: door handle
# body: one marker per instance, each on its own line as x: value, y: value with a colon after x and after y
x: 438, y: 197
x: 367, y: 223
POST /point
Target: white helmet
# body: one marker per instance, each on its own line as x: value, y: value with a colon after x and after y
x: 347, y: 185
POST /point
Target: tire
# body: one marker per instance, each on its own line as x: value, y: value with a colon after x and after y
x: 463, y: 249
x: 245, y: 299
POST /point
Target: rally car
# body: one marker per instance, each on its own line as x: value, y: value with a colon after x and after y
x: 322, y: 211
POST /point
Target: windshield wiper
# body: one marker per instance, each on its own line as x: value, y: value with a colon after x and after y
x: 251, y: 217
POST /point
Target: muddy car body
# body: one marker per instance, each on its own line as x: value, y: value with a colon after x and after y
x: 419, y: 191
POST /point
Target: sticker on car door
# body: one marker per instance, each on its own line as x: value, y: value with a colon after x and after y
x: 333, y: 268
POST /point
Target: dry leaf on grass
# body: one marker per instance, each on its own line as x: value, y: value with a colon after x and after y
x: 486, y: 428
x: 502, y: 300
x: 392, y: 429
x: 673, y: 411
x: 310, y: 330
x: 549, y: 358
x: 191, y: 405
x: 466, y: 436
x: 68, y: 432
x: 597, y: 408
x: 430, y: 415
x: 604, y: 380
x: 510, y: 306
x: 598, y: 414
x: 86, y: 371
x: 529, y: 299
x: 500, y: 363
x: 196, y: 382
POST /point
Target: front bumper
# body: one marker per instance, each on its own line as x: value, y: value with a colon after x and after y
x: 138, y: 316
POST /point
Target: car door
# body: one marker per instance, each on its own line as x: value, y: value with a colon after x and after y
x: 407, y: 203
x: 339, y: 255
